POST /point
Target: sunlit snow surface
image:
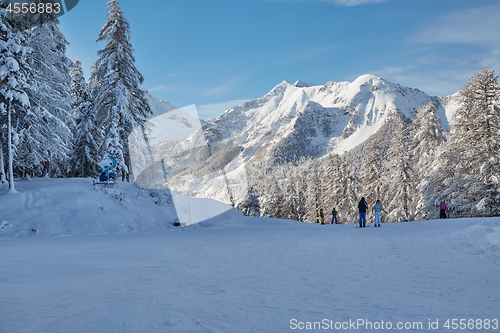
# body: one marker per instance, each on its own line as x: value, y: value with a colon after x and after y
x: 123, y: 267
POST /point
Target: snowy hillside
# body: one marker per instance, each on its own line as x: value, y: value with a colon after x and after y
x: 291, y: 121
x: 63, y: 207
x: 124, y: 268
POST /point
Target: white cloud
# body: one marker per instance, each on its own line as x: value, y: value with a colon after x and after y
x: 476, y: 26
x: 448, y: 50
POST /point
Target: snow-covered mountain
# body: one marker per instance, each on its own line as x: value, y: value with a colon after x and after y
x: 335, y: 116
x: 291, y: 121
x: 158, y: 106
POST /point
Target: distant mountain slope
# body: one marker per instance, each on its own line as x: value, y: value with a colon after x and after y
x: 336, y: 116
x: 158, y: 106
x: 289, y: 122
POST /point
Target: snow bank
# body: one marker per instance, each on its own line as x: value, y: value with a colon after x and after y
x: 64, y: 207
x: 485, y: 234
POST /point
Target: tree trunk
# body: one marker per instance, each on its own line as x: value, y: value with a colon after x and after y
x: 11, y: 153
x: 2, y: 165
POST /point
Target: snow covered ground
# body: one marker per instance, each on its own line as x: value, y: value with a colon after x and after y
x: 124, y: 268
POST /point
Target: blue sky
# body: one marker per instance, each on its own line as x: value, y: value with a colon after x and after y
x: 217, y: 53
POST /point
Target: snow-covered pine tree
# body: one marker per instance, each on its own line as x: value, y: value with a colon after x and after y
x: 399, y: 175
x: 113, y: 145
x: 330, y: 195
x: 117, y: 98
x: 87, y: 136
x: 290, y: 204
x: 372, y: 172
x: 275, y: 202
x: 49, y: 142
x: 301, y: 192
x: 426, y: 137
x: 313, y: 198
x: 348, y: 198
x: 476, y: 141
x: 250, y: 204
x: 79, y: 88
x: 442, y: 183
x: 14, y: 102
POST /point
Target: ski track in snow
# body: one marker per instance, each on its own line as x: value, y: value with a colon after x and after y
x: 252, y: 275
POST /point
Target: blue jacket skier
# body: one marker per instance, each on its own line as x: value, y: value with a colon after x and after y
x: 362, y: 212
x: 334, y: 216
x: 377, y: 208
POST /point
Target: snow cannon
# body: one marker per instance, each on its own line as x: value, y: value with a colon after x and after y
x: 104, y: 168
x: 104, y: 165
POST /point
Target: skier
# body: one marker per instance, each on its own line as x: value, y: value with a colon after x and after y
x: 378, y: 208
x: 322, y: 216
x: 334, y: 216
x: 443, y: 209
x: 362, y: 212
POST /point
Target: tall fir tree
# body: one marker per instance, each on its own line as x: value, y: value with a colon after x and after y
x: 398, y: 182
x: 120, y: 105
x: 86, y: 134
x: 301, y: 194
x: 291, y: 202
x: 276, y: 200
x: 476, y: 143
x: 441, y: 183
x: 347, y: 193
x: 313, y: 199
x: 46, y: 142
x: 372, y: 172
x: 426, y: 137
x: 250, y: 204
x: 331, y: 182
x: 14, y: 102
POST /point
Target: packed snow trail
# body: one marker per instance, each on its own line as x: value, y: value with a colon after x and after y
x: 233, y: 274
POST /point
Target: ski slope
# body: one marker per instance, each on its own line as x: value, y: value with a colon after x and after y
x: 231, y: 273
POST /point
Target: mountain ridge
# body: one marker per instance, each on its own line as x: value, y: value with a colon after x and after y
x: 291, y: 121
x: 365, y: 102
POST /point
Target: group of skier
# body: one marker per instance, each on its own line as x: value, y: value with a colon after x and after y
x: 362, y: 206
x: 334, y: 216
x: 376, y: 209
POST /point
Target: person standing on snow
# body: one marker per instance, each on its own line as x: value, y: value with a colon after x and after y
x: 322, y: 216
x: 362, y: 212
x: 378, y: 208
x: 443, y: 209
x: 334, y: 216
